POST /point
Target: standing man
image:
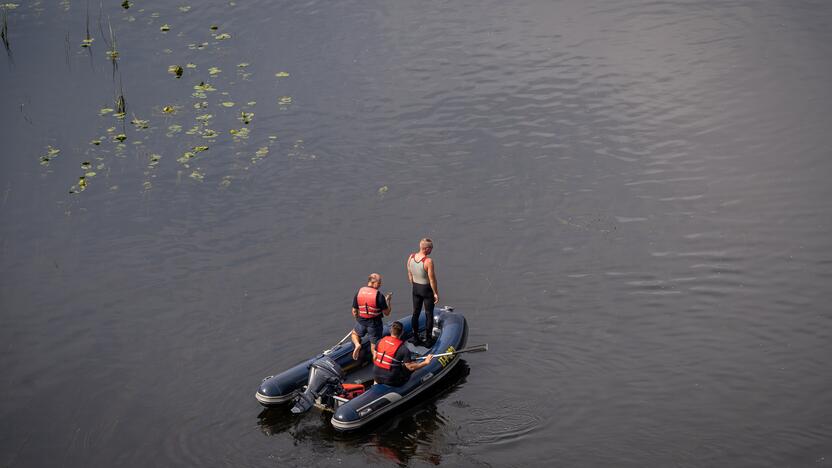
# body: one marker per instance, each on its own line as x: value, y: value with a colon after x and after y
x: 420, y: 273
x: 392, y: 360
x: 367, y: 307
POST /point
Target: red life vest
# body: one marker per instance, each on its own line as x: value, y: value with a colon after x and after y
x: 367, y: 303
x: 386, y: 352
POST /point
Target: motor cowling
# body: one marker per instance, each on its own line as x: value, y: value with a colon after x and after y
x: 325, y: 377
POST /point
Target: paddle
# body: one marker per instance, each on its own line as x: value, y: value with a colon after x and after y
x: 473, y: 349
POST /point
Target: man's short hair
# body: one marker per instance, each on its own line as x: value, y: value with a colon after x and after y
x: 373, y: 277
x: 426, y: 242
x: 396, y: 329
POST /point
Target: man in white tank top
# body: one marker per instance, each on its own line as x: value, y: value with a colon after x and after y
x: 422, y: 275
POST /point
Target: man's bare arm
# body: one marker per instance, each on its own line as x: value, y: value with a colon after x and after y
x: 432, y: 279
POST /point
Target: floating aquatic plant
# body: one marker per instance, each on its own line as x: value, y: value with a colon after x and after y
x: 282, y: 74
x: 208, y: 133
x: 204, y: 117
x: 222, y: 36
x: 51, y: 153
x: 126, y: 4
x: 87, y: 42
x: 169, y: 110
x: 190, y: 65
x: 214, y: 27
x: 203, y: 86
x: 86, y: 165
x: 176, y: 70
x: 185, y: 8
x: 164, y: 28
x: 139, y: 124
x: 245, y: 117
x: 80, y: 186
x: 197, y: 175
x: 284, y: 100
x: 105, y: 111
x: 201, y: 104
x: 243, y: 65
x: 120, y: 137
x: 95, y: 142
x: 227, y: 104
x: 214, y: 71
x: 173, y: 130
x: 239, y: 134
x: 154, y: 160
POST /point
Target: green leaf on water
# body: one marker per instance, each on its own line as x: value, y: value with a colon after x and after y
x: 282, y: 74
x: 176, y: 70
x: 95, y: 142
x: 239, y: 134
x: 214, y: 71
x: 245, y: 117
x: 197, y: 175
x: 119, y: 115
x: 190, y: 65
x: 204, y: 117
x: 251, y: 103
x: 173, y: 130
x: 222, y: 36
x: 185, y: 8
x: 86, y: 165
x: 214, y: 27
x: 203, y: 86
x: 208, y: 133
x: 227, y: 104
x: 243, y: 65
x: 87, y: 42
x: 140, y: 124
x: 169, y: 110
x: 126, y: 4
x: 200, y: 149
x: 89, y: 174
x: 120, y: 137
x: 164, y: 28
x: 284, y: 100
x: 105, y: 111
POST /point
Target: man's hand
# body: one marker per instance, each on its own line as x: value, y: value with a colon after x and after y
x: 428, y: 358
x: 436, y: 298
x: 388, y: 297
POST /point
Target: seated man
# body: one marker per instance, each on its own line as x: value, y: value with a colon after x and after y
x: 368, y: 305
x: 393, y: 361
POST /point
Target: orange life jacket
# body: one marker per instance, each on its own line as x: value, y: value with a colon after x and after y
x: 386, y: 352
x: 367, y: 303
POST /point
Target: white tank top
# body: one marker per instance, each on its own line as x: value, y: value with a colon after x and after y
x: 417, y: 269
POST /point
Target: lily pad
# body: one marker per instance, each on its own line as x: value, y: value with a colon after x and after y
x: 86, y: 165
x: 190, y: 65
x: 95, y: 142
x: 227, y: 104
x: 105, y: 111
x: 245, y: 117
x: 87, y: 42
x: 173, y: 130
x: 284, y: 100
x: 164, y: 28
x: 120, y: 137
x: 282, y: 74
x: 203, y: 86
x: 243, y: 65
x: 169, y: 110
x: 197, y: 175
x: 126, y: 4
x: 251, y: 103
x: 222, y: 36
x: 185, y: 8
x: 214, y: 27
x: 208, y: 133
x: 176, y: 70
x: 213, y: 71
x: 139, y: 123
x: 239, y: 134
x: 204, y: 117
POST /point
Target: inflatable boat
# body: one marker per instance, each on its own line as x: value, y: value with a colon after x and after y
x: 332, y: 381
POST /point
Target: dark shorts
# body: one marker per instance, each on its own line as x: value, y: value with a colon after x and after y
x: 373, y: 330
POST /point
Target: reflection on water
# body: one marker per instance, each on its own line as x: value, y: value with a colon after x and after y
x: 409, y: 432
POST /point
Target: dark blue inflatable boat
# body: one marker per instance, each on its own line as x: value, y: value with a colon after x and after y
x: 333, y: 381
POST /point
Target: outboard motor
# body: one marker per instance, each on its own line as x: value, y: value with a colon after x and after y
x: 325, y: 376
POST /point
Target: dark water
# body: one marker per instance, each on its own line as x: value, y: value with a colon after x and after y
x: 631, y: 203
